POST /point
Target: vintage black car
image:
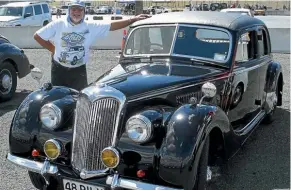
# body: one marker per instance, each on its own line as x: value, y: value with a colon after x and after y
x: 187, y: 92
x: 13, y: 63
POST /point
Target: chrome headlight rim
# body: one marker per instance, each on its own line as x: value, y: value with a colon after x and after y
x: 115, y: 152
x: 147, y: 123
x: 57, y: 144
x: 57, y: 111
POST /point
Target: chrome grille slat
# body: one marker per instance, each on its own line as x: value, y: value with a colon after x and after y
x: 93, y: 131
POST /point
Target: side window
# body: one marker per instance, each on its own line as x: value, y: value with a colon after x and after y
x: 263, y: 45
x: 37, y: 10
x: 246, y: 48
x: 28, y: 10
x: 45, y: 8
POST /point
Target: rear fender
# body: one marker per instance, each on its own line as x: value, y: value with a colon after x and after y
x: 274, y: 77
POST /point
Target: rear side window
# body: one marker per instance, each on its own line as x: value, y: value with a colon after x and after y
x: 37, y: 10
x: 45, y: 8
x: 263, y: 44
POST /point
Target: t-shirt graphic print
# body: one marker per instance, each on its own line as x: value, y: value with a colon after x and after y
x: 73, y: 51
x: 72, y: 42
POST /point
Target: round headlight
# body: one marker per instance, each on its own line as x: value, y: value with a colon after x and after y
x: 50, y: 115
x: 110, y: 157
x: 52, y: 149
x: 139, y: 128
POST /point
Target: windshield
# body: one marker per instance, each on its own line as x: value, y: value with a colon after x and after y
x: 10, y: 11
x: 189, y: 41
x: 150, y: 40
x: 237, y: 12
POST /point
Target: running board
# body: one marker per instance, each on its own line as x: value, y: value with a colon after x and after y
x: 252, y: 124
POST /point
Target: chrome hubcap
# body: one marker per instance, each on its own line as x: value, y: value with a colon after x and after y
x: 5, y: 81
x: 237, y: 95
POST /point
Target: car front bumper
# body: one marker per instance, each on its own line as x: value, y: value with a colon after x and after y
x: 112, y: 181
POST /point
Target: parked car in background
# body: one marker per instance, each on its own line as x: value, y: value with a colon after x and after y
x: 187, y: 92
x: 64, y: 9
x: 238, y: 11
x: 25, y: 14
x: 158, y: 9
x: 103, y: 9
x: 13, y: 64
x: 260, y: 12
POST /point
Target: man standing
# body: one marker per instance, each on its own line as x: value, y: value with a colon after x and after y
x: 72, y: 38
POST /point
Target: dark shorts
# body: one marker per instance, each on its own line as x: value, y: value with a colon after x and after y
x: 75, y: 78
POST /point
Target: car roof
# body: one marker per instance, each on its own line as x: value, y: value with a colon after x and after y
x: 210, y: 18
x: 21, y: 4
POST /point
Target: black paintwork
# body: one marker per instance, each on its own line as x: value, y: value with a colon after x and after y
x: 158, y: 88
x: 10, y: 52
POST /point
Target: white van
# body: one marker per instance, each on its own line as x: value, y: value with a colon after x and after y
x: 25, y: 14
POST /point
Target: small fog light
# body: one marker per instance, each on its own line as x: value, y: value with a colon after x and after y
x: 52, y: 149
x: 110, y: 157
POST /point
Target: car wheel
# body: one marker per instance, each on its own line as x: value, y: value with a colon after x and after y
x: 270, y: 116
x: 38, y: 182
x: 45, y: 23
x: 203, y: 171
x: 8, y: 81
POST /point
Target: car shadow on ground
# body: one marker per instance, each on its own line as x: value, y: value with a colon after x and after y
x: 266, y: 151
x: 12, y: 104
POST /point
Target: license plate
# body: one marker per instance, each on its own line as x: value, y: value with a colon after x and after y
x: 73, y: 185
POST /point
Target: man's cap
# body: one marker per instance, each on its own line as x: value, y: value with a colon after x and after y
x: 77, y: 3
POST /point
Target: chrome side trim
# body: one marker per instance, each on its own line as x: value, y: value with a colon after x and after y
x: 117, y: 182
x: 173, y: 89
x: 251, y: 124
x: 34, y: 166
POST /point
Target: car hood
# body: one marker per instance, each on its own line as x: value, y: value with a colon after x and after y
x: 137, y: 79
x: 8, y: 18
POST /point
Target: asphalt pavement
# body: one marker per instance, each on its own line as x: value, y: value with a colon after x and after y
x: 262, y: 164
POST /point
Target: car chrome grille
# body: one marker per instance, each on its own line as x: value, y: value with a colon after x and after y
x: 94, y: 129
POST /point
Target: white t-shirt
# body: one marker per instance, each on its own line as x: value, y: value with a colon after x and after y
x: 71, y: 42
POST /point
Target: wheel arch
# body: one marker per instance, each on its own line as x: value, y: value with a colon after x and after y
x: 216, y: 147
x: 12, y: 63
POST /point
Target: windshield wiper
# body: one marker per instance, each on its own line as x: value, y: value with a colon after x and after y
x: 208, y: 63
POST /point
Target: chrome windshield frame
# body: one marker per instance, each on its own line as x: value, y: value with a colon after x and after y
x: 171, y: 53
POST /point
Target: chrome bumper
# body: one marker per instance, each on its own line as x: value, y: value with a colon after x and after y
x: 114, y: 181
x: 117, y: 182
x: 33, y: 166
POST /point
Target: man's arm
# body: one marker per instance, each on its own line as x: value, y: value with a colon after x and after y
x: 124, y: 23
x: 46, y: 44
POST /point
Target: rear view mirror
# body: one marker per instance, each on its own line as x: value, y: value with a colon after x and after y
x: 27, y: 15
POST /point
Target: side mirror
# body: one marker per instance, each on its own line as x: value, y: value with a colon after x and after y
x: 36, y: 74
x: 27, y: 15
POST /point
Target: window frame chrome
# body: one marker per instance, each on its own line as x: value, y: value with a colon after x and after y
x: 178, y: 25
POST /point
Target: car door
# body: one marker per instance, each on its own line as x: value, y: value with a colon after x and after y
x: 244, y: 104
x: 38, y: 15
x: 264, y: 59
x: 28, y: 16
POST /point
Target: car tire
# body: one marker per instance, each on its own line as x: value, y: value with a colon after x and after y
x: 45, y: 23
x: 201, y: 176
x: 38, y: 182
x: 269, y: 118
x: 7, y: 70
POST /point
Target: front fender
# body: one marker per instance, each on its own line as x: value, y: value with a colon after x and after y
x: 15, y: 55
x: 27, y: 131
x: 186, y: 132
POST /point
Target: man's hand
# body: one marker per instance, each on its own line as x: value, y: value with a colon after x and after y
x: 124, y: 23
x: 141, y: 17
